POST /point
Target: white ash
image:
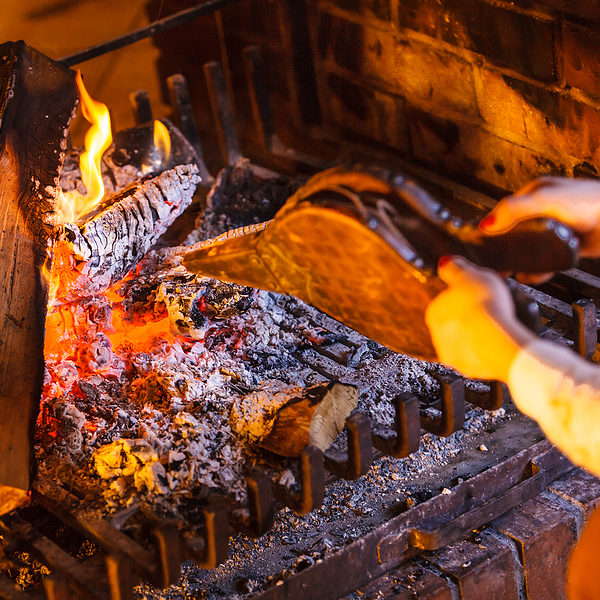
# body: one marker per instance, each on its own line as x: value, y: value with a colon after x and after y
x: 103, y: 404
x: 350, y: 510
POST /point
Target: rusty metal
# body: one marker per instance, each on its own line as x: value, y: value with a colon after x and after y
x: 452, y: 395
x: 222, y: 112
x: 492, y: 399
x: 389, y: 545
x: 358, y: 458
x: 260, y: 102
x: 406, y: 436
x: 216, y: 539
x: 312, y: 484
x: 260, y: 504
x: 576, y: 321
x: 67, y: 508
x: 170, y: 555
x: 121, y: 576
x: 57, y: 588
x: 150, y: 30
x: 141, y: 107
x: 586, y: 328
x: 262, y: 112
x: 181, y: 103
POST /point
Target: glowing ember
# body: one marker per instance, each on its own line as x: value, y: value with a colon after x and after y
x: 71, y: 206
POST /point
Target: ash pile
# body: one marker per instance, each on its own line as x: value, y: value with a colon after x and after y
x: 140, y: 410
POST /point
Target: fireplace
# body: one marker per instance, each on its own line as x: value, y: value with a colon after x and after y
x: 471, y: 100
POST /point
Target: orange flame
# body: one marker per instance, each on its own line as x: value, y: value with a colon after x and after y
x: 52, y: 280
x: 162, y: 141
x: 72, y: 205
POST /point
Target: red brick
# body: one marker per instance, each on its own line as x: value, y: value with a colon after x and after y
x: 545, y: 534
x: 508, y: 38
x: 580, y: 488
x: 421, y: 72
x: 364, y: 112
x: 584, y: 9
x: 467, y: 152
x: 430, y: 76
x: 483, y: 569
x: 340, y: 40
x: 581, y: 52
x: 380, y: 9
x: 407, y: 583
x: 535, y: 117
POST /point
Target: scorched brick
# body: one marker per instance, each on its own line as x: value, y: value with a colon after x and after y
x: 581, y: 55
x: 584, y: 9
x: 545, y: 534
x: 380, y: 9
x: 362, y: 111
x: 509, y: 39
x: 483, y: 568
x: 456, y: 149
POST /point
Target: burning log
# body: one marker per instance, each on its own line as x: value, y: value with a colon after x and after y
x: 93, y: 255
x: 37, y: 99
x: 284, y: 420
x: 132, y: 156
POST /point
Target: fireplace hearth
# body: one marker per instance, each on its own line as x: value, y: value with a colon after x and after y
x: 437, y: 487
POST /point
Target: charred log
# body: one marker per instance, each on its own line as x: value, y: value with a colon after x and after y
x: 284, y: 420
x: 37, y: 99
x: 131, y: 157
x: 93, y: 255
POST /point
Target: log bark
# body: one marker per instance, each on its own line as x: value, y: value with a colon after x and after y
x: 92, y: 256
x: 284, y: 420
x: 37, y: 99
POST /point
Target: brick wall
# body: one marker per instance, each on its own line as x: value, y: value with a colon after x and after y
x: 494, y: 90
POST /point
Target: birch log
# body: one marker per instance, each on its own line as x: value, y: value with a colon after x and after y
x: 37, y: 99
x: 285, y: 419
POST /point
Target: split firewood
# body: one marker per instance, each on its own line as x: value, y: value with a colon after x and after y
x: 92, y: 255
x: 37, y: 99
x: 285, y: 419
x: 131, y: 157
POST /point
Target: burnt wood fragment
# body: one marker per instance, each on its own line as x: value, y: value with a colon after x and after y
x: 37, y: 100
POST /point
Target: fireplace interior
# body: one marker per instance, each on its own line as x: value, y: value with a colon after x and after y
x: 132, y: 442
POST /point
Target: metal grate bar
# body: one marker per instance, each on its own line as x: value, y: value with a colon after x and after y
x: 150, y: 30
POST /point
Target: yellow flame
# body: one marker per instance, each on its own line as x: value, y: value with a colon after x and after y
x: 98, y: 138
x: 162, y: 141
